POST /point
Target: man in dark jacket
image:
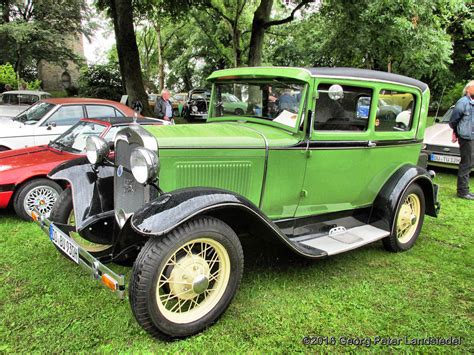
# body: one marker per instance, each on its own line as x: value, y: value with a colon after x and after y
x: 163, y: 107
x: 462, y: 123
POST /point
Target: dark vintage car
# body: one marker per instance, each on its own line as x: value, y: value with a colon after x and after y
x: 197, y: 104
x: 23, y: 172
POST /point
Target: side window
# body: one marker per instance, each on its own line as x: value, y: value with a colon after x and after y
x: 100, y: 111
x: 394, y: 111
x: 118, y: 113
x: 66, y: 115
x: 342, y: 108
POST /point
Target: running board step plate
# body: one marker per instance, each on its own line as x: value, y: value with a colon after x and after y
x: 350, y: 239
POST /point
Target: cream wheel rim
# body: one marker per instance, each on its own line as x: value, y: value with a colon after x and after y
x: 193, y: 280
x: 84, y: 243
x: 408, y: 218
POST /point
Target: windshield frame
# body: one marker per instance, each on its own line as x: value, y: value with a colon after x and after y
x: 302, y: 108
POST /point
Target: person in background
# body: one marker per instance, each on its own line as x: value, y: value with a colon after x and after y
x: 462, y: 123
x: 163, y: 107
x: 8, y: 87
x: 23, y: 86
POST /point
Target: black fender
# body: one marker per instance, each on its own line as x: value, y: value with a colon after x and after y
x: 92, y: 188
x: 387, y: 201
x: 170, y: 210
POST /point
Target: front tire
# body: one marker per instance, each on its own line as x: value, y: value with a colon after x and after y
x: 183, y: 282
x: 38, y: 193
x: 408, y: 220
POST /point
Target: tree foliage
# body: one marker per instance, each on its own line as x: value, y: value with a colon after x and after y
x: 31, y: 30
x: 102, y: 81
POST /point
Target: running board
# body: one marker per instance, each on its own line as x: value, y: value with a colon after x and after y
x: 340, y: 240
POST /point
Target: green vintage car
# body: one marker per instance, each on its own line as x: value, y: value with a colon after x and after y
x: 300, y: 165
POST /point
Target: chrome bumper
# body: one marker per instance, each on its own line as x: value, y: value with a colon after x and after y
x: 99, y: 271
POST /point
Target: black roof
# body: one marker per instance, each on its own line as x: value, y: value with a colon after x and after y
x: 124, y: 121
x: 368, y: 74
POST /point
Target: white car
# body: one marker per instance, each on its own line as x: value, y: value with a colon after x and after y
x: 438, y: 148
x: 49, y: 118
x: 16, y: 101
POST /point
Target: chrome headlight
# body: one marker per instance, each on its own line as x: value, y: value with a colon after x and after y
x: 97, y: 149
x: 144, y: 164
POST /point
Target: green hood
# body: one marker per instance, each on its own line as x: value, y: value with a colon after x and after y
x: 210, y: 135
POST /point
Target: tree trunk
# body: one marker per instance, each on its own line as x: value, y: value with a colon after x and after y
x: 127, y: 50
x: 161, y: 65
x: 260, y: 19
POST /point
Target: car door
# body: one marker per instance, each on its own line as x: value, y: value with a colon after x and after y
x: 57, y: 123
x: 337, y: 173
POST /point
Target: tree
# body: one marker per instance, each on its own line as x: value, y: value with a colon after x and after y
x: 102, y: 81
x: 31, y: 30
x: 127, y: 50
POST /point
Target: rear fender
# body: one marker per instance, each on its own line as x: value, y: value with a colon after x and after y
x: 386, y: 204
x: 92, y: 189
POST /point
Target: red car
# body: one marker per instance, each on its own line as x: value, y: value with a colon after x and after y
x: 23, y: 172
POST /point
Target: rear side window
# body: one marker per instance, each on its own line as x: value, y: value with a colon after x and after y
x: 394, y: 111
x: 342, y: 108
x: 100, y: 111
x: 66, y: 115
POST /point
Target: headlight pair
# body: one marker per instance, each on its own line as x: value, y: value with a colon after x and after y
x: 143, y: 162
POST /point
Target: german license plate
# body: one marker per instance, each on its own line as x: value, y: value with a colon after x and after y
x: 65, y: 244
x: 445, y: 158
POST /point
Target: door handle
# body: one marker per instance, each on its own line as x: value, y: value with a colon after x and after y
x: 371, y: 144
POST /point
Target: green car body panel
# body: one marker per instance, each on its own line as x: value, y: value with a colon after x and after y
x: 262, y: 161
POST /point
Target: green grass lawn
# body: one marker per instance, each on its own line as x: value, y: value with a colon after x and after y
x: 47, y: 304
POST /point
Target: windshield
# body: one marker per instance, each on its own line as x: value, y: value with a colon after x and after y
x: 34, y: 113
x: 270, y: 100
x: 74, y: 139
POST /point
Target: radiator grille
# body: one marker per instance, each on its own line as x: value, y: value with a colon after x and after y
x: 129, y: 195
x: 232, y: 176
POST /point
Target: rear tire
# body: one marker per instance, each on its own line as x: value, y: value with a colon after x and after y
x: 40, y: 193
x: 183, y: 282
x: 408, y: 220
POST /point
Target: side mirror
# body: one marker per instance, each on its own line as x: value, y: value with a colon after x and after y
x: 437, y: 120
x: 336, y: 92
x: 51, y: 125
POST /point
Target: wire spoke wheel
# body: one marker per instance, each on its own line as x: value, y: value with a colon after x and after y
x: 42, y: 198
x: 193, y: 280
x: 408, y: 218
x: 184, y: 281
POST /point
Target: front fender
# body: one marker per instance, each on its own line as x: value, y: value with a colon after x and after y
x: 170, y: 210
x: 92, y: 190
x: 387, y: 201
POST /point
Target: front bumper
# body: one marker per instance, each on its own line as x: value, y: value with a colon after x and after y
x: 98, y: 271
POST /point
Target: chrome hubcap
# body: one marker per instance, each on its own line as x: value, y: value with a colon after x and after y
x: 42, y: 198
